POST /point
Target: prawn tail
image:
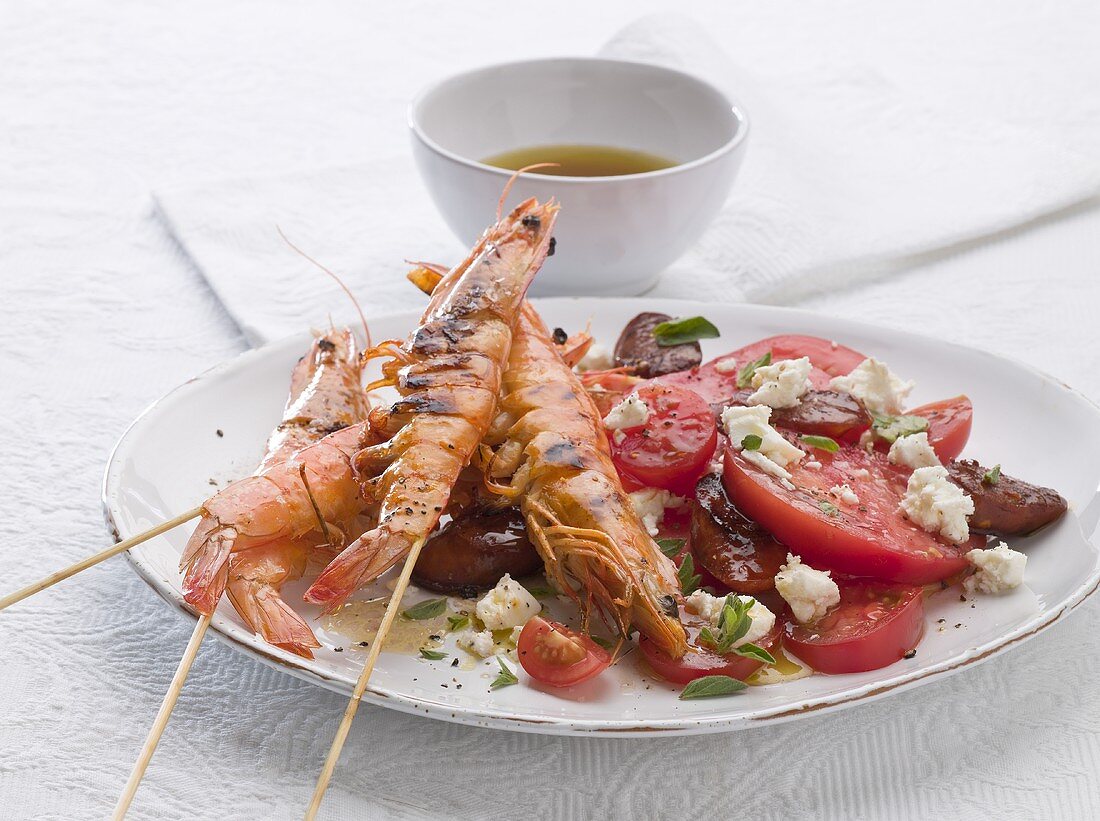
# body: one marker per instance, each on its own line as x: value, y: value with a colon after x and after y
x: 363, y: 561
x: 205, y: 564
x: 261, y: 606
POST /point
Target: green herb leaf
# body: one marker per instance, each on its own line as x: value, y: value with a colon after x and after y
x: 432, y: 655
x: 829, y: 507
x: 689, y: 581
x: 744, y: 376
x: 540, y: 591
x: 457, y: 622
x: 733, y: 623
x: 606, y: 644
x: 711, y: 686
x: 752, y: 651
x: 821, y: 443
x: 892, y: 428
x: 425, y: 610
x: 505, y: 678
x: 751, y: 442
x: 993, y: 476
x: 688, y: 329
x: 670, y: 547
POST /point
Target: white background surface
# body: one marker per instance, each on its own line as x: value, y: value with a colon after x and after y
x: 101, y: 313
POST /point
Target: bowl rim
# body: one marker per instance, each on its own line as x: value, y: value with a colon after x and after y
x: 740, y: 133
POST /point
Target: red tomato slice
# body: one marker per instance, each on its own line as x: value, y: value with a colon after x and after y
x: 555, y: 655
x: 949, y: 422
x: 869, y: 539
x: 874, y: 625
x: 698, y: 661
x: 672, y: 449
x: 715, y: 387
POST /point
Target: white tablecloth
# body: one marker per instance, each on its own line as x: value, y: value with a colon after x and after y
x: 100, y: 313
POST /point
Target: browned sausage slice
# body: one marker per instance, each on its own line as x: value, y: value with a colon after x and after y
x: 821, y: 413
x: 1009, y: 507
x: 472, y: 552
x: 637, y: 348
x: 733, y: 548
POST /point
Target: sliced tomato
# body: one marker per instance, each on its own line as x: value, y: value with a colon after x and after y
x: 828, y: 358
x: 698, y: 661
x: 672, y: 449
x: 555, y: 655
x: 949, y: 422
x: 871, y: 538
x: 874, y: 625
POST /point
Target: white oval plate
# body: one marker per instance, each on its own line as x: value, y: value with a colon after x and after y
x: 1036, y: 427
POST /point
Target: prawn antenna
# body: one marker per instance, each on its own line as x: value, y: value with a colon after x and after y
x: 512, y: 179
x: 340, y: 282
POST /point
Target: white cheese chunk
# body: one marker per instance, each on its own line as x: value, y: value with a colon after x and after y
x: 650, y: 504
x: 709, y: 607
x: 932, y: 502
x: 809, y: 592
x: 507, y: 605
x: 813, y: 464
x: 478, y: 642
x: 774, y: 453
x: 1000, y: 569
x: 873, y: 384
x: 598, y: 358
x: 630, y: 413
x: 727, y: 365
x: 913, y: 451
x: 845, y: 494
x: 781, y: 384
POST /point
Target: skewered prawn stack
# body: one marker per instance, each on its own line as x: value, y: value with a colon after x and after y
x: 449, y: 375
x: 258, y: 533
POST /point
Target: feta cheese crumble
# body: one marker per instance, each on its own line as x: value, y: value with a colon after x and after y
x: 809, y: 592
x: 1000, y: 569
x: 727, y: 365
x: 935, y: 504
x: 630, y: 413
x: 507, y: 605
x: 774, y: 453
x: 845, y: 494
x: 782, y: 384
x: 873, y: 384
x: 709, y: 607
x: 650, y: 504
x: 598, y: 358
x: 913, y: 451
x: 479, y: 642
x: 813, y: 464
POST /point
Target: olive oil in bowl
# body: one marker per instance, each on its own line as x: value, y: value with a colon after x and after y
x: 581, y: 160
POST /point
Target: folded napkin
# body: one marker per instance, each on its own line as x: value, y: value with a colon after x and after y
x: 847, y: 176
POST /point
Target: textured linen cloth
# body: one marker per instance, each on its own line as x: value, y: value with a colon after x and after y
x: 100, y: 313
x: 846, y: 176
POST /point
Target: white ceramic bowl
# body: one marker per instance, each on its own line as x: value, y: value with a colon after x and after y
x: 615, y: 234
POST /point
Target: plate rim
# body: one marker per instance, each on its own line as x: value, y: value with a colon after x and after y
x: 236, y: 637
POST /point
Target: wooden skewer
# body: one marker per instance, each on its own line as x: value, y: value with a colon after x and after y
x: 161, y: 720
x: 361, y: 684
x: 96, y: 558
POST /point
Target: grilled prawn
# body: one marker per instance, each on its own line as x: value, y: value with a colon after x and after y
x: 448, y: 373
x: 257, y: 534
x: 551, y: 454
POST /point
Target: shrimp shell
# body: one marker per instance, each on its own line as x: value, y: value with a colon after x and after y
x: 555, y: 459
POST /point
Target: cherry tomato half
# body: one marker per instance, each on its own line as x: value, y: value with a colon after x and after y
x: 555, y: 655
x: 869, y: 538
x: 672, y: 449
x: 829, y: 360
x: 699, y: 661
x: 874, y: 625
